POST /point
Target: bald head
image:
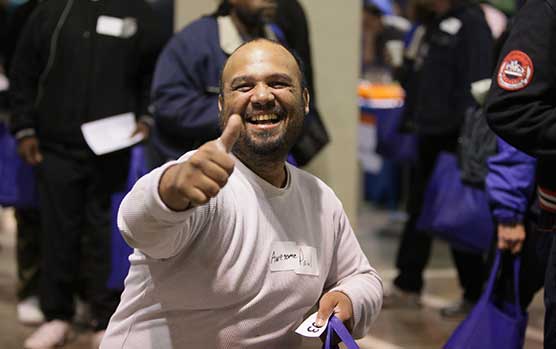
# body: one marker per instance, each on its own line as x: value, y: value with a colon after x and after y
x: 259, y: 50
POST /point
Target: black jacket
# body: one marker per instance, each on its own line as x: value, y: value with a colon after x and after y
x: 521, y: 106
x: 60, y: 80
x: 456, y: 51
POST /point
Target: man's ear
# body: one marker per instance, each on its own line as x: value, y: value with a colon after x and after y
x: 220, y: 102
x: 306, y: 100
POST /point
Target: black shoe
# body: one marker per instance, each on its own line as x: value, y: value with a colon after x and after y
x: 458, y: 309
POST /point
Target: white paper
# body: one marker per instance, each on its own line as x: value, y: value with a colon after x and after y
x: 309, y: 329
x: 284, y: 256
x: 110, y: 134
x: 111, y: 26
x: 4, y: 83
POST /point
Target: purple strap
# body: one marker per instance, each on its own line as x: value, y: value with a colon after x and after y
x: 336, y: 325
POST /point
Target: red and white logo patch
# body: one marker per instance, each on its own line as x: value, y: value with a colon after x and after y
x: 516, y: 71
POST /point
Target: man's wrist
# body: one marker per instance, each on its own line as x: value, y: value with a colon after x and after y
x: 169, y: 197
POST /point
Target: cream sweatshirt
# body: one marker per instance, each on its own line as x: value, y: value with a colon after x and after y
x: 241, y: 271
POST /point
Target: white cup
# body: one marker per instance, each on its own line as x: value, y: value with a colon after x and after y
x: 395, y: 49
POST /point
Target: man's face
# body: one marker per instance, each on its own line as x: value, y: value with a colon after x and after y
x: 254, y: 12
x: 261, y: 82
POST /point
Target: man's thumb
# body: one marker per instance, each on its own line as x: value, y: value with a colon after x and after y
x: 231, y: 132
x: 326, y: 308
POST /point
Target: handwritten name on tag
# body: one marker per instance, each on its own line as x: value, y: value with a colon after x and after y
x: 284, y: 256
x: 287, y: 256
x: 309, y: 329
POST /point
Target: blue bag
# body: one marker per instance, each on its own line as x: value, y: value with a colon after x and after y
x: 335, y: 325
x: 456, y: 212
x: 18, y: 186
x: 391, y: 143
x: 493, y: 324
x: 120, y: 249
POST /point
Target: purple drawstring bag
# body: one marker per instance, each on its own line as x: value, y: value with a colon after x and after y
x: 335, y: 325
x: 493, y: 323
x: 18, y: 187
x: 120, y: 249
x: 455, y: 212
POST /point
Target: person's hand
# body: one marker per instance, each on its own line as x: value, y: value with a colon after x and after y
x: 511, y: 237
x: 336, y: 303
x: 200, y: 178
x: 142, y: 128
x: 28, y: 149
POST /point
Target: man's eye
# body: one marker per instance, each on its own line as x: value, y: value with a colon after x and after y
x: 278, y: 84
x: 243, y: 88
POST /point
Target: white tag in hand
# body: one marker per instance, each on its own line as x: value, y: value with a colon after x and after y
x: 309, y: 329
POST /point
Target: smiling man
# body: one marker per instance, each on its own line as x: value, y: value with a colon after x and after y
x: 233, y: 246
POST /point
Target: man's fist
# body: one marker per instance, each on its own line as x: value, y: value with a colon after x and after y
x: 336, y: 303
x: 200, y: 178
x: 28, y: 149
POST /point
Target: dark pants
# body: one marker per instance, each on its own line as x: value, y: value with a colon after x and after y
x: 550, y: 298
x: 415, y: 246
x: 28, y: 252
x: 75, y: 189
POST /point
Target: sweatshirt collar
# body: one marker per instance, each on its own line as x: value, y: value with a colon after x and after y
x: 230, y: 38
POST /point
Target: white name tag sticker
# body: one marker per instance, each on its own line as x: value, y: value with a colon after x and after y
x: 111, y: 26
x: 284, y: 256
x: 307, y: 261
x: 309, y: 329
x: 288, y: 256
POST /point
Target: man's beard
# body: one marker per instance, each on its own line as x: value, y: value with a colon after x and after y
x: 251, y: 19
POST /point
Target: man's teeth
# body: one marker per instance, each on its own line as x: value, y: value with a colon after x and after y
x: 264, y: 117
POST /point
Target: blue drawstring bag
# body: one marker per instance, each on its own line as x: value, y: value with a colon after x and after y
x: 18, y: 187
x: 391, y: 143
x: 120, y: 249
x: 493, y: 323
x: 456, y: 212
x: 335, y: 326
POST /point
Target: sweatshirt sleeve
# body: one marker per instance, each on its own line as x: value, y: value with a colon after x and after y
x: 352, y: 275
x: 148, y: 225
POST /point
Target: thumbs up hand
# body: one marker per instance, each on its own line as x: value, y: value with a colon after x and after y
x: 200, y: 178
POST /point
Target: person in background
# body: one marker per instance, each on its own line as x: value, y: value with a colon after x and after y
x: 450, y: 50
x: 185, y: 87
x: 78, y: 61
x: 214, y: 232
x: 520, y: 108
x: 28, y: 219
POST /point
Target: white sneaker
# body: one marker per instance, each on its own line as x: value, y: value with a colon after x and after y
x: 50, y: 335
x: 96, y: 339
x: 29, y: 312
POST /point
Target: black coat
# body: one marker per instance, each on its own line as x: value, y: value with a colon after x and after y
x: 60, y: 80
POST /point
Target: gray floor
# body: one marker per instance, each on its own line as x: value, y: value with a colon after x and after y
x: 403, y: 328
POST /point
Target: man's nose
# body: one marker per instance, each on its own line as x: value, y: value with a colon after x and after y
x: 262, y: 96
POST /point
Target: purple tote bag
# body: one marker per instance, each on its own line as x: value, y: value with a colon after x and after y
x: 335, y: 325
x: 456, y: 212
x: 492, y: 323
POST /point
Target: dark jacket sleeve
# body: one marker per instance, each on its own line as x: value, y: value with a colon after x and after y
x: 27, y: 66
x: 510, y: 183
x: 526, y: 118
x: 150, y: 45
x: 182, y: 107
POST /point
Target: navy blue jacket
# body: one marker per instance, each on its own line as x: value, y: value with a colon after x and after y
x: 510, y: 183
x: 185, y: 89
